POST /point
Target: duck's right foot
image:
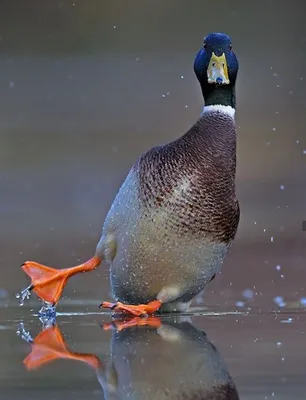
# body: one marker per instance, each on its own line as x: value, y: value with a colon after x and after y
x: 136, y: 310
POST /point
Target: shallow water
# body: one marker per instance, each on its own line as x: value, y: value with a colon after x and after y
x: 262, y: 353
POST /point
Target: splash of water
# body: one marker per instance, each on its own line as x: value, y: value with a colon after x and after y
x: 47, y: 314
x: 25, y: 335
x: 24, y: 295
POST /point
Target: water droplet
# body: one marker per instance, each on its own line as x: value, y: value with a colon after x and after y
x: 303, y: 301
x: 12, y: 84
x: 278, y: 267
x: 272, y: 239
x: 240, y: 303
x: 287, y: 321
x: 279, y: 300
x: 248, y: 293
x: 282, y: 187
x: 182, y: 76
x: 273, y: 129
x: 278, y: 344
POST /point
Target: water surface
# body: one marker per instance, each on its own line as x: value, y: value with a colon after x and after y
x: 206, y: 351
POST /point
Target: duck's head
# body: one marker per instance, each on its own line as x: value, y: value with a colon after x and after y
x: 216, y: 67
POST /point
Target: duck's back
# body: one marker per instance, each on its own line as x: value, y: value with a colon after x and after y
x: 177, y: 212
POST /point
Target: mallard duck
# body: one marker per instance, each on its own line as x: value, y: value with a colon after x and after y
x: 176, y: 214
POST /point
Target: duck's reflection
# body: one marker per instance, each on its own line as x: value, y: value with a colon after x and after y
x: 160, y: 360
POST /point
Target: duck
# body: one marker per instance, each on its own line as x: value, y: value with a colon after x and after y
x: 164, y: 359
x: 175, y: 216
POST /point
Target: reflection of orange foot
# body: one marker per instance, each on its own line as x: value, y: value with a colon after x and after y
x: 48, y: 283
x: 49, y: 345
x: 153, y: 322
x: 138, y: 311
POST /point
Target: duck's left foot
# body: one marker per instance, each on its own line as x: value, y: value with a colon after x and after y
x: 153, y: 322
x: 137, y: 311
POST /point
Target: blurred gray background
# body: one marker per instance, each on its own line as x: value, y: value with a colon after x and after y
x: 87, y: 86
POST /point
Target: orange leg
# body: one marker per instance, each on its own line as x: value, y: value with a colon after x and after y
x: 137, y: 311
x: 153, y: 322
x: 48, y: 283
x: 49, y: 345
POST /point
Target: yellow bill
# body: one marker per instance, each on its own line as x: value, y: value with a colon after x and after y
x: 217, y: 71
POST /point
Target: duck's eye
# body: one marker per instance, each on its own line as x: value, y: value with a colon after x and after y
x: 204, y: 45
x: 230, y: 47
x: 213, y: 64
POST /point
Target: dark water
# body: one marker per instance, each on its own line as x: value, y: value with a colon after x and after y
x: 201, y: 355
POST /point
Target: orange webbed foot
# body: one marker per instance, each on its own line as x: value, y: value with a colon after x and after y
x: 48, y: 283
x: 153, y: 322
x: 50, y: 345
x: 136, y: 310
